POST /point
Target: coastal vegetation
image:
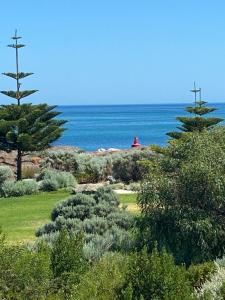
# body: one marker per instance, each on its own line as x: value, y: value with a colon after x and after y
x: 89, y: 243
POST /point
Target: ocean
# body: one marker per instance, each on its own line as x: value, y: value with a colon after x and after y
x: 115, y: 126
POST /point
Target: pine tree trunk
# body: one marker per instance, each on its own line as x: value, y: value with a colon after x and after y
x: 19, y: 165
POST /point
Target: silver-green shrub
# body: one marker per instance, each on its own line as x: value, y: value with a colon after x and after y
x: 53, y: 180
x: 12, y: 188
x: 6, y: 173
x: 123, y: 166
x: 106, y: 227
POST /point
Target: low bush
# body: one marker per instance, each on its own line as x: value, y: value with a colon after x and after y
x: 106, y: 227
x: 6, y: 173
x: 53, y: 180
x: 49, y: 185
x: 88, y: 168
x: 134, y: 186
x: 12, y: 188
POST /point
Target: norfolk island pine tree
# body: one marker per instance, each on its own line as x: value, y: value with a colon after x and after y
x: 26, y: 127
x: 197, y: 122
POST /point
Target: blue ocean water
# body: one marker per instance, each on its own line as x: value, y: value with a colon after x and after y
x: 114, y: 126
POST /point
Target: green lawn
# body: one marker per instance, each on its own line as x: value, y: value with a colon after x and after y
x: 128, y: 198
x: 21, y: 216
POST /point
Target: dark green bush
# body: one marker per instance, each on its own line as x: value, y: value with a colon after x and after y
x: 155, y: 276
x: 183, y: 198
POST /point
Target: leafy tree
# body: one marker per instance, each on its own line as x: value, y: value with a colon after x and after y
x: 198, y: 122
x: 26, y: 127
x: 182, y: 200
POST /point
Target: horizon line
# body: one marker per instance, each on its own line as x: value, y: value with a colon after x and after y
x: 140, y: 104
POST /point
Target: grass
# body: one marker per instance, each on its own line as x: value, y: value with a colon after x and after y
x: 21, y: 216
x: 128, y: 198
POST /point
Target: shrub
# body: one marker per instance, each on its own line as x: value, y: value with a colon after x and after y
x: 107, y: 195
x: 19, y: 188
x: 127, y: 166
x: 6, y: 173
x: 105, y: 226
x: 89, y: 168
x: 54, y: 180
x: 78, y: 206
x: 183, y: 198
x: 199, y: 274
x: 134, y: 186
x: 213, y: 289
x: 41, y: 272
x: 67, y: 261
x: 155, y: 276
x: 24, y: 274
x: 49, y: 185
x: 103, y: 280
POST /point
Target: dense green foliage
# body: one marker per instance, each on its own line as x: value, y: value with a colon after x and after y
x: 104, y: 279
x: 105, y: 225
x: 61, y: 272
x: 41, y: 272
x: 155, y: 276
x: 183, y: 199
x: 123, y: 166
x: 30, y: 127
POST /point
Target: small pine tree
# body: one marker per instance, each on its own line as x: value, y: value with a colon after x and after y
x: 198, y: 122
x: 26, y: 127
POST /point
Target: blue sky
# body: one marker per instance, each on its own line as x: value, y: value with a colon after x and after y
x: 116, y: 51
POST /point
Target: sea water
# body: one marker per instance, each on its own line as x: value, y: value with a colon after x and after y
x: 115, y: 126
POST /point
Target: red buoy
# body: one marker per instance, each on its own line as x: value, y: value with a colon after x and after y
x: 135, y: 143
